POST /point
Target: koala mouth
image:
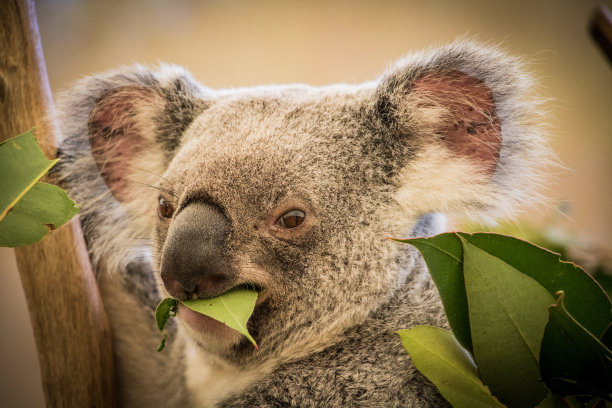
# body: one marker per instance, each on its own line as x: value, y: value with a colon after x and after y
x: 205, y: 329
x: 202, y: 323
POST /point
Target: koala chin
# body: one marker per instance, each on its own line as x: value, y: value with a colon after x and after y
x: 188, y: 192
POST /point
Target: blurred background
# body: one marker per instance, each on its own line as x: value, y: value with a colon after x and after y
x: 242, y: 43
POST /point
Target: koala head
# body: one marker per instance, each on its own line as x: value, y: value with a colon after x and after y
x: 294, y: 189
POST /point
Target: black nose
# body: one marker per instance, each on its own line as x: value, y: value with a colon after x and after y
x: 194, y: 257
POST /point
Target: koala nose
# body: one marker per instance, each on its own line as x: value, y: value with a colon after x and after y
x: 194, y: 259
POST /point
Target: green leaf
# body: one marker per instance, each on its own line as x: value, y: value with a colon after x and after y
x: 162, y: 343
x: 443, y: 253
x: 606, y: 337
x: 22, y: 164
x: 585, y: 299
x: 574, y: 361
x: 42, y: 209
x: 508, y: 313
x: 444, y: 257
x: 233, y: 308
x: 163, y: 312
x: 553, y: 401
x: 436, y: 353
x: 28, y: 208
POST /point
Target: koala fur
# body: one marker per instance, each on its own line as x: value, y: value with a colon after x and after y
x: 454, y: 130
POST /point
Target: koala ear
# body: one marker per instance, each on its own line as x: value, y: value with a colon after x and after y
x: 134, y: 120
x: 472, y: 126
x: 120, y: 129
x: 459, y: 110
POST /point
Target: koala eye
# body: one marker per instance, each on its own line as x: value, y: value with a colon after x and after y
x: 292, y: 219
x: 164, y: 208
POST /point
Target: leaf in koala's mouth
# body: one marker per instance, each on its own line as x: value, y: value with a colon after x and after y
x: 163, y: 312
x: 233, y: 308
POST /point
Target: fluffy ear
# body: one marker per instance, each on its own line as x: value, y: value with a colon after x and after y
x: 133, y: 120
x: 473, y: 127
x: 120, y: 131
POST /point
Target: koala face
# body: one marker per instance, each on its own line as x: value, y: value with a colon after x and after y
x: 281, y: 193
x: 293, y: 190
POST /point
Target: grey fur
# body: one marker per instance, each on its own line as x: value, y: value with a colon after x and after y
x: 337, y: 293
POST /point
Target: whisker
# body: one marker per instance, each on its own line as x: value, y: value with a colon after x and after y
x: 150, y: 172
x: 162, y: 189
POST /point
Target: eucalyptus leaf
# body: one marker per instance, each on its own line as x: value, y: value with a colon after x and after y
x: 586, y: 302
x: 553, y: 401
x: 606, y: 337
x: 163, y: 312
x: 22, y: 164
x: 444, y: 257
x: 574, y: 361
x: 42, y: 209
x: 233, y: 308
x: 443, y: 253
x: 29, y: 209
x: 585, y: 299
x: 436, y: 353
x: 508, y: 313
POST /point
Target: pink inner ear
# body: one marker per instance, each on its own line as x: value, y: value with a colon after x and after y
x: 473, y: 131
x: 114, y: 133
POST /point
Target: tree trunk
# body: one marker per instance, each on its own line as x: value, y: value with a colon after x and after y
x: 70, y: 326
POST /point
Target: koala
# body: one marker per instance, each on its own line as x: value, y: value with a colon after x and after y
x: 294, y: 190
